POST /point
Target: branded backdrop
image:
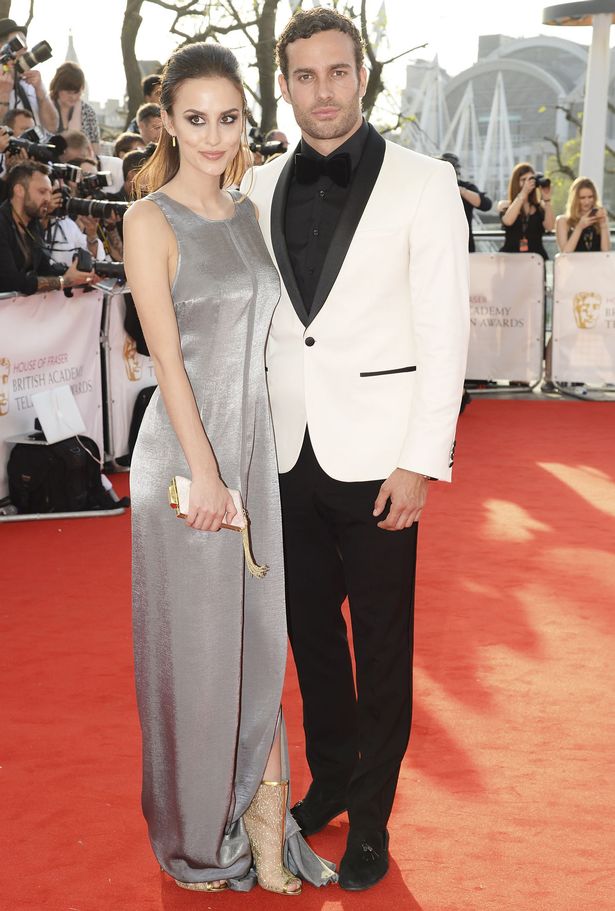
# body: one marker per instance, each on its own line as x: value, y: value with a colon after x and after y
x: 48, y: 340
x: 127, y: 373
x: 584, y: 318
x: 506, y: 317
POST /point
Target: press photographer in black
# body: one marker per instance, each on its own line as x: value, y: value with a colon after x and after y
x: 21, y: 85
x: 25, y: 263
x: 471, y: 197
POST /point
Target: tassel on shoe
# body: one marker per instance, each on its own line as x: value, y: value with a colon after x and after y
x: 265, y: 822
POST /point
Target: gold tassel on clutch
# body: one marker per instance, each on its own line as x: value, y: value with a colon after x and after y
x: 179, y: 497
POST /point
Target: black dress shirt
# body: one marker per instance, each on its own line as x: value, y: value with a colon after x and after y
x: 485, y: 205
x: 312, y: 214
x: 19, y: 272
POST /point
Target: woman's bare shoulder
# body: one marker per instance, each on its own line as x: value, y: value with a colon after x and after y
x: 145, y: 215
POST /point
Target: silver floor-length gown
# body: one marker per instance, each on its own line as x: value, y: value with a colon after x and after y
x: 209, y: 639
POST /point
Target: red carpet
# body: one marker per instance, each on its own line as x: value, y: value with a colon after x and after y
x: 506, y: 795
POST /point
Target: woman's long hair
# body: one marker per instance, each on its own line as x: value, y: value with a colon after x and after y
x: 514, y: 186
x: 573, y: 206
x: 194, y: 61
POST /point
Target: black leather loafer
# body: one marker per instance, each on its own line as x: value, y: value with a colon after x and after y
x: 366, y: 860
x: 316, y: 811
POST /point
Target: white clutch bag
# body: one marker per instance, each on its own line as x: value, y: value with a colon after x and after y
x: 179, y: 500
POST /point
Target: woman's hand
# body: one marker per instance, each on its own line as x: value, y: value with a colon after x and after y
x: 586, y: 221
x: 529, y: 185
x: 210, y: 502
x: 602, y: 217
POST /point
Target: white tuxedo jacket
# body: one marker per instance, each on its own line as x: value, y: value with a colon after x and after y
x: 376, y: 370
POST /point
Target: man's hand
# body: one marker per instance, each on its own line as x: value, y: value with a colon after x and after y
x: 408, y: 492
x: 6, y: 84
x: 33, y: 77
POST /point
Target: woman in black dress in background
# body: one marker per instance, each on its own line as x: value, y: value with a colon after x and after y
x: 585, y: 226
x: 527, y: 213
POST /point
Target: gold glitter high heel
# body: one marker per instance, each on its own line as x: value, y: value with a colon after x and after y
x: 198, y: 887
x: 264, y: 820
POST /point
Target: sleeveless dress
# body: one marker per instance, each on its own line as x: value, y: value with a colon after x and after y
x: 209, y: 639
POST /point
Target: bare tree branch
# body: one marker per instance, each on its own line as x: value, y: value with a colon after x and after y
x: 562, y: 167
x: 30, y: 14
x: 419, y: 47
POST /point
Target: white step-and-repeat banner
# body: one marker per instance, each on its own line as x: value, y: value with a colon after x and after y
x: 584, y: 318
x: 48, y: 340
x: 127, y: 373
x: 506, y: 317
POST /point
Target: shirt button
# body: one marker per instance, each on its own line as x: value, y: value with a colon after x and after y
x: 315, y: 232
x: 310, y: 341
x: 322, y: 194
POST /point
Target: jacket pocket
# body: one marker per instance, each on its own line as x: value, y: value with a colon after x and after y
x: 389, y: 372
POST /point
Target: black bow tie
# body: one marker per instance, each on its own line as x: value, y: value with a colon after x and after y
x: 338, y: 168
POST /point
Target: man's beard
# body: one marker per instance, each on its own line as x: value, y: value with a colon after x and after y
x: 33, y: 210
x: 317, y: 129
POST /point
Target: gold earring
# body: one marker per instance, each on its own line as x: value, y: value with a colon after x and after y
x: 173, y: 141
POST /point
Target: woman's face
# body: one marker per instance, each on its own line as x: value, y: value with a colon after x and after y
x: 207, y: 119
x: 69, y: 97
x: 587, y: 200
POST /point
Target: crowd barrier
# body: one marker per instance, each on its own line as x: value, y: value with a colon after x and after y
x: 50, y: 339
x: 584, y: 318
x: 506, y: 317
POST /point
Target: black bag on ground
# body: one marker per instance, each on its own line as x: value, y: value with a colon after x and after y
x: 59, y: 477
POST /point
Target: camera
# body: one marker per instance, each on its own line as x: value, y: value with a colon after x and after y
x: 91, y: 183
x: 86, y: 262
x: 266, y: 149
x: 64, y: 171
x: 96, y: 208
x: 38, y: 54
x: 10, y: 50
x: 541, y: 180
x: 39, y: 151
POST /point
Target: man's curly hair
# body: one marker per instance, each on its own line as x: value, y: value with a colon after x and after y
x: 305, y: 23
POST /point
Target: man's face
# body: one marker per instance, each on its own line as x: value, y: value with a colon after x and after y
x: 150, y: 129
x: 22, y: 123
x: 323, y: 86
x: 36, y: 196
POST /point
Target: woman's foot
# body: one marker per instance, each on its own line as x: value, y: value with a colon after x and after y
x: 265, y: 821
x: 218, y: 885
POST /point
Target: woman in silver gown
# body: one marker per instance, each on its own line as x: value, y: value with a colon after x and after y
x: 209, y: 639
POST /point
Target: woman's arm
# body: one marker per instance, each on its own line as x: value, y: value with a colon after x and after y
x: 548, y: 220
x: 513, y: 211
x: 566, y: 244
x: 150, y: 257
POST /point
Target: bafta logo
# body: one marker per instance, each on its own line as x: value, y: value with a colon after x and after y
x: 131, y: 360
x: 586, y: 306
x: 5, y: 370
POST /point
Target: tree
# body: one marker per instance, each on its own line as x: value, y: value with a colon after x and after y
x: 130, y: 29
x: 5, y: 9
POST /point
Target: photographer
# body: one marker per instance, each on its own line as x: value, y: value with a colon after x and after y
x: 66, y: 91
x: 19, y: 120
x: 152, y: 87
x: 24, y: 90
x: 527, y: 214
x: 25, y: 263
x: 127, y: 142
x: 149, y: 122
x: 471, y: 197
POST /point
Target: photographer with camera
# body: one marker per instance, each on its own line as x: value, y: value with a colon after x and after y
x: 527, y: 214
x: 63, y: 235
x: 19, y: 121
x: 471, y: 197
x: 25, y: 263
x: 20, y: 84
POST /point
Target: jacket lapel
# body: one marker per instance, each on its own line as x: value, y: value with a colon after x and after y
x: 278, y: 237
x: 363, y: 182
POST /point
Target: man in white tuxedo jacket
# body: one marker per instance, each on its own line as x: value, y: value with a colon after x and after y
x: 366, y: 361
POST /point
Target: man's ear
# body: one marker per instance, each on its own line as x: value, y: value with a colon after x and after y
x: 362, y: 81
x: 284, y: 88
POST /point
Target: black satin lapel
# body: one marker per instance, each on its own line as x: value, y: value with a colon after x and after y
x: 363, y: 183
x: 278, y: 237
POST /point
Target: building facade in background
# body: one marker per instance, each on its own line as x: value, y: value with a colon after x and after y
x: 503, y: 109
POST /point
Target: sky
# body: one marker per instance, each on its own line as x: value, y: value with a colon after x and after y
x: 450, y: 28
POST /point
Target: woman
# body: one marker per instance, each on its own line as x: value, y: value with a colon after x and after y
x: 585, y: 226
x: 527, y: 213
x: 65, y: 90
x: 210, y: 640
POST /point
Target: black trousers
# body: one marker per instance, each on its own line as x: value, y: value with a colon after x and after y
x: 355, y: 740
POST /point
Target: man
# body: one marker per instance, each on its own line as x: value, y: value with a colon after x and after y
x: 25, y: 264
x: 152, y: 87
x: 127, y: 142
x: 26, y: 90
x: 79, y: 146
x: 149, y: 122
x: 365, y: 359
x: 19, y: 120
x: 471, y: 197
